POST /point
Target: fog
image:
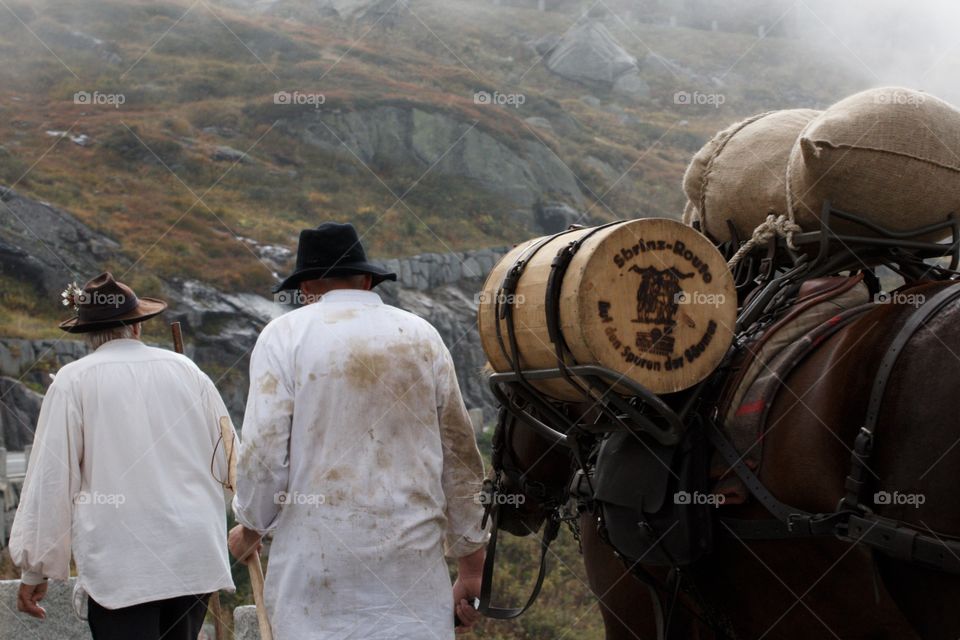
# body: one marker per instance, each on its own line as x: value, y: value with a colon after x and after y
x: 914, y: 43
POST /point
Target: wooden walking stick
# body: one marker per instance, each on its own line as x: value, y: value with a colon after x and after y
x: 253, y: 560
x: 177, y: 337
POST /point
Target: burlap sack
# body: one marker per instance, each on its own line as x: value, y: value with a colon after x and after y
x: 739, y: 174
x: 890, y: 154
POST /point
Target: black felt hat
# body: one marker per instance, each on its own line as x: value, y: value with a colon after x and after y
x: 332, y: 250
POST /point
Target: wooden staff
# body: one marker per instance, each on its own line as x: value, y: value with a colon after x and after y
x: 253, y: 560
x: 177, y: 337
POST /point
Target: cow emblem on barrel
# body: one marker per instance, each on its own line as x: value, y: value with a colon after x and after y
x: 658, y: 298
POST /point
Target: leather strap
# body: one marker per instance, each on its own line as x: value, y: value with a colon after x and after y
x: 857, y: 481
x: 550, y: 531
x: 918, y: 319
x: 503, y: 307
x: 788, y: 521
x: 903, y: 542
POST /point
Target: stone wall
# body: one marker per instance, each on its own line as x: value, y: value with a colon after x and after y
x: 431, y: 270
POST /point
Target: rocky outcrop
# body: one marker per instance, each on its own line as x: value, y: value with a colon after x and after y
x: 32, y: 361
x: 590, y: 55
x: 411, y: 137
x: 47, y: 247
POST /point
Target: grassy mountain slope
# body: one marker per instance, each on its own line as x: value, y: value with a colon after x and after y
x: 197, y: 77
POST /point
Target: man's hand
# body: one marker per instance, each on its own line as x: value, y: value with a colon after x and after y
x: 467, y: 588
x: 28, y: 598
x: 243, y: 542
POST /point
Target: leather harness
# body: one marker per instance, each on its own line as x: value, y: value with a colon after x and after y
x: 853, y: 520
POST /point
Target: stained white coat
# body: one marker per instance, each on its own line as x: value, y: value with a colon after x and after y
x: 359, y: 455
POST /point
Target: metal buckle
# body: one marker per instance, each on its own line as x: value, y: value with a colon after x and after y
x: 487, y: 496
x: 793, y: 518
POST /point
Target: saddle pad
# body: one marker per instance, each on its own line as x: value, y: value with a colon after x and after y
x: 769, y: 361
x: 830, y: 296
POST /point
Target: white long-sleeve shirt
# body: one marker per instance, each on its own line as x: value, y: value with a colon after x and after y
x: 121, y: 472
x: 359, y: 454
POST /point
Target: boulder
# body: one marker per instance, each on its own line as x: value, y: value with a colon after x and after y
x: 245, y: 624
x: 554, y: 217
x: 589, y: 54
x: 631, y: 85
x: 539, y: 123
x: 224, y: 153
x: 543, y: 46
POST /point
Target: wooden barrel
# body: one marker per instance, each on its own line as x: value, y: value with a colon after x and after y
x: 649, y: 299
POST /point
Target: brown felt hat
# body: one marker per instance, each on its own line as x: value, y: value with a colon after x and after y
x: 104, y: 303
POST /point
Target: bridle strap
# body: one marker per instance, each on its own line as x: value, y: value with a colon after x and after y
x: 550, y: 530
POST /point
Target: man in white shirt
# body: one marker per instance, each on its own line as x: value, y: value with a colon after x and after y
x: 359, y: 455
x: 121, y: 473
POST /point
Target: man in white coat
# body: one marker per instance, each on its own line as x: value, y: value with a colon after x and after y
x: 359, y: 455
x: 121, y: 475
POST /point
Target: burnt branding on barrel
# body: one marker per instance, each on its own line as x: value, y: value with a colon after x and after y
x: 604, y: 307
x: 657, y: 303
x: 677, y: 247
x: 659, y: 296
x: 655, y: 341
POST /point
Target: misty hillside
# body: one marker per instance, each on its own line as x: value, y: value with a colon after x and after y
x: 200, y: 137
x: 384, y: 128
x: 183, y: 144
